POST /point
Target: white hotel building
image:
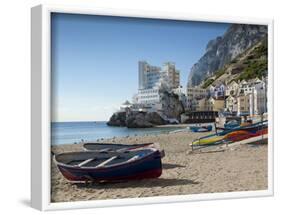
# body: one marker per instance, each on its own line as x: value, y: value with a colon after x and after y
x: 148, y: 75
x: 170, y: 75
x: 152, y: 79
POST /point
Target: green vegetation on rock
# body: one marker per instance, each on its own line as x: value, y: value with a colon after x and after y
x: 219, y: 73
x: 248, y: 65
x: 208, y: 82
x: 255, y: 63
x: 256, y: 68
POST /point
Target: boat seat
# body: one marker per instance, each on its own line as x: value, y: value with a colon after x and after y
x: 107, y: 161
x: 133, y: 158
x: 85, y: 162
x: 105, y: 150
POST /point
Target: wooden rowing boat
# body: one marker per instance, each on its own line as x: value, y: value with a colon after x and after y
x: 110, y: 147
x: 111, y: 166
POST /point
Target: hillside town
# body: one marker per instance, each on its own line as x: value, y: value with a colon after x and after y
x: 237, y: 98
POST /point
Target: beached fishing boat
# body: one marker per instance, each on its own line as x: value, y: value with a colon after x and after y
x: 112, y: 147
x: 109, y: 167
x: 242, y: 135
x: 245, y: 127
x: 201, y: 128
x: 229, y: 137
x: 232, y: 135
x: 234, y: 124
x: 259, y: 139
x: 231, y: 124
x: 109, y: 147
x: 208, y: 141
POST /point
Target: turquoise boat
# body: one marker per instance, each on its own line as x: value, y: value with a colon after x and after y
x: 201, y: 128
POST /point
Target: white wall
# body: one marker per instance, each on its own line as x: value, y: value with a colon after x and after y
x: 15, y: 104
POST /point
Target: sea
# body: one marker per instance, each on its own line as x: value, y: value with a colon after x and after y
x: 75, y: 132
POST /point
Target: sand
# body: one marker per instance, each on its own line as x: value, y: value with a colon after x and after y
x: 237, y: 168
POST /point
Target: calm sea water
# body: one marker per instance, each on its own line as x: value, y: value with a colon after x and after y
x: 73, y: 132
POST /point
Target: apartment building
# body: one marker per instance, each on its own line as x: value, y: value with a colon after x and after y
x: 170, y: 75
x: 194, y: 94
x: 149, y: 75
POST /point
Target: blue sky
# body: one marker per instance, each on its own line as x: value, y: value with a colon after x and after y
x: 95, y: 59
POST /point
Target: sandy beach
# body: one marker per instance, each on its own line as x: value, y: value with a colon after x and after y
x: 235, y: 168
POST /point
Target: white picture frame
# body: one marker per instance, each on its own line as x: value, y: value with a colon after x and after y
x: 41, y: 115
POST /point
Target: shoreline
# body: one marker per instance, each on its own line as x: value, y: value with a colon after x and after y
x: 239, y: 168
x: 183, y: 125
x: 162, y: 129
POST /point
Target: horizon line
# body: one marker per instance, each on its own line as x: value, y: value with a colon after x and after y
x: 80, y: 121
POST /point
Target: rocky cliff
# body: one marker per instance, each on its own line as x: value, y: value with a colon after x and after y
x: 136, y: 119
x: 222, y: 50
x: 249, y: 65
x: 171, y: 105
x: 144, y: 119
x: 117, y: 119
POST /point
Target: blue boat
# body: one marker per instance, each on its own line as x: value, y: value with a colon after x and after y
x: 231, y: 124
x: 111, y: 166
x: 201, y: 128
